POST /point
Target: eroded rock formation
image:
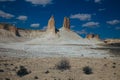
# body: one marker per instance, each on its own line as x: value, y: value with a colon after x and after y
x: 64, y: 34
x: 92, y: 36
x: 51, y: 26
x: 66, y: 24
x: 8, y: 29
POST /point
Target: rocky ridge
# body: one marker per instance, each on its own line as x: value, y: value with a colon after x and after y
x: 50, y: 35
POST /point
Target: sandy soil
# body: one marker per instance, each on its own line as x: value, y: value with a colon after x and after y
x: 44, y: 69
x: 38, y: 62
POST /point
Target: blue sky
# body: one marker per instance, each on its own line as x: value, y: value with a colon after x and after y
x: 86, y: 16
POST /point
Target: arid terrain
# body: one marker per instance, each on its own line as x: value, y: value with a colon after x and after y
x: 45, y: 69
x: 56, y: 54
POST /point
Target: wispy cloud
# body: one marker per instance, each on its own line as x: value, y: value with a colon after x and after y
x: 97, y: 1
x: 82, y: 17
x: 35, y: 25
x: 22, y: 18
x: 91, y: 24
x: 44, y: 28
x: 6, y: 0
x: 81, y: 32
x: 113, y: 22
x: 40, y: 2
x: 5, y: 15
x: 101, y: 9
x: 72, y: 26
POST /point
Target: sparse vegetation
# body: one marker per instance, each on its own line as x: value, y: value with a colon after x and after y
x: 105, y: 65
x: 87, y: 70
x: 46, y: 72
x: 70, y: 79
x: 1, y: 70
x: 114, y: 63
x: 113, y: 66
x: 7, y: 79
x: 35, y: 77
x: 64, y: 64
x: 22, y: 71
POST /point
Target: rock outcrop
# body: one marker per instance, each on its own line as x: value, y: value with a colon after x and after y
x: 1, y: 26
x: 49, y: 36
x: 66, y: 24
x: 92, y: 36
x: 66, y: 34
x: 51, y: 26
x: 8, y: 27
x: 10, y: 33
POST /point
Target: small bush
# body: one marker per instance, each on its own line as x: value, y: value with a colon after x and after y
x: 46, y: 72
x: 35, y: 77
x: 1, y: 70
x: 113, y: 66
x: 87, y: 70
x: 114, y: 63
x: 64, y: 64
x: 7, y: 79
x: 22, y: 72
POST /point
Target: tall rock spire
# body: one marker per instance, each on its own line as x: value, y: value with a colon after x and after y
x: 66, y: 24
x: 51, y: 25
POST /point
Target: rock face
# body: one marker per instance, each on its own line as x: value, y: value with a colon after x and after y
x: 66, y: 24
x: 30, y: 33
x: 1, y: 26
x: 51, y: 35
x: 92, y: 36
x: 8, y: 27
x: 51, y: 26
x: 10, y: 33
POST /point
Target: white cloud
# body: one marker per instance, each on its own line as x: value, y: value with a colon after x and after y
x: 113, y: 22
x: 35, y: 25
x: 72, y: 26
x: 22, y: 18
x: 97, y: 1
x: 40, y: 2
x: 81, y: 32
x: 102, y: 9
x: 6, y: 0
x: 44, y: 28
x: 91, y: 24
x: 5, y: 15
x: 82, y: 17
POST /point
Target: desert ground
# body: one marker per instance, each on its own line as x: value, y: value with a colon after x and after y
x: 45, y: 69
x: 59, y: 62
